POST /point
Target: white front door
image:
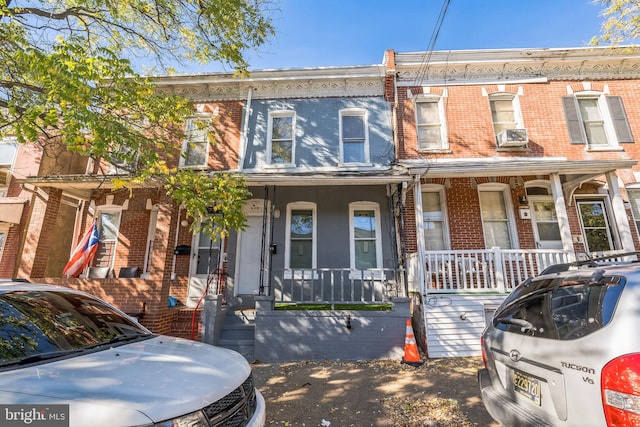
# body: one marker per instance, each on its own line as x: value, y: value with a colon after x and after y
x: 545, y: 222
x: 249, y: 251
x: 205, y: 267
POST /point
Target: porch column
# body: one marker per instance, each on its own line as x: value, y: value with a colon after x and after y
x: 563, y: 218
x: 619, y: 212
x: 417, y: 199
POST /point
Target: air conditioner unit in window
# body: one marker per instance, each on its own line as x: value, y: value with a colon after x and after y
x: 513, y: 138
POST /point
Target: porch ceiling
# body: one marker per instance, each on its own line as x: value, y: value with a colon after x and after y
x: 512, y: 166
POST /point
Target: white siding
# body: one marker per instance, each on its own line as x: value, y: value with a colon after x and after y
x: 455, y: 323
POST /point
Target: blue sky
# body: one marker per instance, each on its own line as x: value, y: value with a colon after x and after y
x: 314, y: 33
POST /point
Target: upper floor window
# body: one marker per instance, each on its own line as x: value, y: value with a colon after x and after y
x: 195, y: 148
x: 354, y: 137
x: 281, y: 138
x: 300, y: 251
x: 508, y: 126
x: 596, y: 120
x: 8, y: 151
x: 434, y: 219
x: 430, y: 123
x: 498, y: 222
x: 365, y: 235
x: 634, y: 201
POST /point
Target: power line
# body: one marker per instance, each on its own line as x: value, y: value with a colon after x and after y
x: 422, y: 71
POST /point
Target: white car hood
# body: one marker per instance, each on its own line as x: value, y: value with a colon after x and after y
x: 132, y: 384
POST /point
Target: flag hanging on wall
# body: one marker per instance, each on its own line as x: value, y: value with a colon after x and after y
x: 83, y: 253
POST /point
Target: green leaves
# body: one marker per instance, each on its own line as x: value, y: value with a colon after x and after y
x: 67, y: 80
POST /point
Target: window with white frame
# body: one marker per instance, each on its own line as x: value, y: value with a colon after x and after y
x: 8, y: 152
x: 281, y: 138
x: 354, y: 136
x: 434, y: 219
x: 597, y: 120
x: 300, y: 250
x: 108, y: 229
x: 208, y: 254
x: 634, y: 201
x: 365, y: 235
x: 497, y: 217
x: 505, y: 113
x: 430, y: 123
x: 4, y: 231
x: 195, y: 147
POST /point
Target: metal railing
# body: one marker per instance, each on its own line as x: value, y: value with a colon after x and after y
x: 486, y: 270
x: 337, y: 285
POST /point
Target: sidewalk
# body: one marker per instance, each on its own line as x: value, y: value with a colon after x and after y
x: 441, y: 392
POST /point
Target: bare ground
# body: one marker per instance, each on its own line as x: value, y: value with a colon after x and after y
x: 440, y: 393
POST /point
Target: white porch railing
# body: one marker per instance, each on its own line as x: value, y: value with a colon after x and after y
x: 486, y: 270
x: 337, y: 285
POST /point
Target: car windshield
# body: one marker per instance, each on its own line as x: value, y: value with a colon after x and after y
x: 40, y: 325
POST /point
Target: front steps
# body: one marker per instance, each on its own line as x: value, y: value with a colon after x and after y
x: 238, y: 332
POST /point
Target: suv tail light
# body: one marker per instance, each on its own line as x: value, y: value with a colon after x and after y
x: 484, y: 353
x: 621, y: 391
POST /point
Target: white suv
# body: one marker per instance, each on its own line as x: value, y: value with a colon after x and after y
x: 79, y: 361
x: 564, y: 349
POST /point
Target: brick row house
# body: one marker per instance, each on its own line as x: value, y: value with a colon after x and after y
x: 522, y: 159
x: 449, y: 176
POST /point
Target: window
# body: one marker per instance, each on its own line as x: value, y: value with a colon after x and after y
x: 430, y: 123
x: 434, y: 220
x: 497, y: 219
x: 596, y: 227
x: 503, y: 112
x: 4, y: 230
x: 559, y: 310
x: 364, y: 233
x: 195, y: 148
x: 108, y: 228
x: 124, y: 160
x: 208, y: 254
x: 634, y: 201
x: 301, y: 236
x: 8, y: 151
x: 354, y: 141
x: 596, y: 120
x: 281, y: 138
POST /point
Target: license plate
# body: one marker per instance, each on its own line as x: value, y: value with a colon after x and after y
x: 527, y: 386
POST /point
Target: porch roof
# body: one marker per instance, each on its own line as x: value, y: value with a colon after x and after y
x: 512, y: 166
x: 333, y: 177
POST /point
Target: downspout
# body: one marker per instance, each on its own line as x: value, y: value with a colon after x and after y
x: 265, y: 212
x: 245, y: 129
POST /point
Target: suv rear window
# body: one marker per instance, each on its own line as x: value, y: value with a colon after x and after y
x: 562, y: 309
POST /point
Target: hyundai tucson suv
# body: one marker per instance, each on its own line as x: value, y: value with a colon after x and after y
x: 68, y: 358
x: 563, y: 349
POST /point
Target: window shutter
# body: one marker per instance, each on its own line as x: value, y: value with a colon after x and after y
x: 619, y: 116
x: 574, y: 124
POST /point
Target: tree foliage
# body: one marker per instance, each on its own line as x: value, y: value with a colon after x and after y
x: 621, y: 22
x: 66, y: 78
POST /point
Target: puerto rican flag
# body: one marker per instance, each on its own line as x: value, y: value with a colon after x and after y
x: 83, y: 253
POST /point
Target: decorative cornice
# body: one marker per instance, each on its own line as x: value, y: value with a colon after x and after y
x: 507, y: 65
x: 285, y: 83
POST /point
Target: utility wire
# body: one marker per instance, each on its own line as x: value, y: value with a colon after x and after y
x: 424, y: 66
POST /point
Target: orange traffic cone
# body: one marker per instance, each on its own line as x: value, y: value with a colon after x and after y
x: 411, y: 355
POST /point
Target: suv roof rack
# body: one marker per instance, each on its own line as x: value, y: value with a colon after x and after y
x: 590, y: 262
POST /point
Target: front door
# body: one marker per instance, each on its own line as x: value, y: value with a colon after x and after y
x: 250, y: 253
x: 205, y: 268
x: 545, y: 222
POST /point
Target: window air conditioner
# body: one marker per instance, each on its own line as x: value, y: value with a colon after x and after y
x: 513, y: 138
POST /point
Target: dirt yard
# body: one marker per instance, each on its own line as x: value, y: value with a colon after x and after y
x: 440, y: 393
